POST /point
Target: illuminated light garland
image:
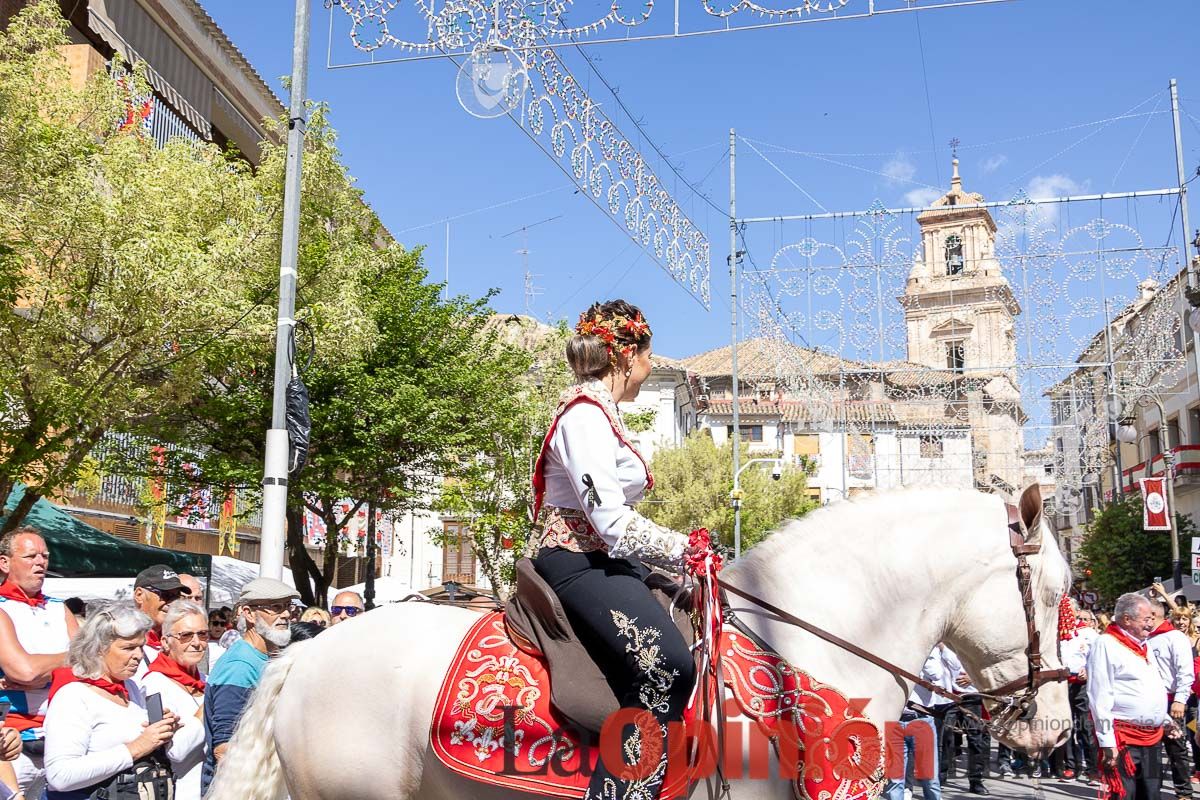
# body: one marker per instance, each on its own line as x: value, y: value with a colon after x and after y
x: 571, y: 127
x: 844, y: 296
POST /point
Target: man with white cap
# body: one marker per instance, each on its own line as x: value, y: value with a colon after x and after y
x: 262, y: 619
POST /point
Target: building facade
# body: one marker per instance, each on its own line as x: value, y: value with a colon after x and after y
x: 948, y: 415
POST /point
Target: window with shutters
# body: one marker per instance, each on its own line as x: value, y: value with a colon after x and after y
x: 458, y: 556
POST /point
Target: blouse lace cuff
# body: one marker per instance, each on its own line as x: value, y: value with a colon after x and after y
x: 644, y: 540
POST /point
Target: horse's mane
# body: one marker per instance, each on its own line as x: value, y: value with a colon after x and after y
x: 847, y: 512
x: 845, y: 516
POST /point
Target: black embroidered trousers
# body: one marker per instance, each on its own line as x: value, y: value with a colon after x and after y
x: 635, y: 642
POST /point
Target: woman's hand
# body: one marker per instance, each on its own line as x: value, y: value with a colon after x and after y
x: 154, y: 735
x: 10, y: 744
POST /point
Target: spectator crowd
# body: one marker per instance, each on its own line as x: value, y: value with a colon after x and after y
x: 138, y: 700
x: 1135, y: 676
x: 132, y: 700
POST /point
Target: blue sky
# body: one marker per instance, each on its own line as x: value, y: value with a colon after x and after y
x: 998, y: 77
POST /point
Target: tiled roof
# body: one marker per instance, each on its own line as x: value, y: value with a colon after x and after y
x: 853, y: 412
x: 758, y: 358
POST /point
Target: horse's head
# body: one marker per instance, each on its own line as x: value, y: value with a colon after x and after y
x: 991, y: 637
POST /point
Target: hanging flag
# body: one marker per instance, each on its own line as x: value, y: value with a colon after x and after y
x: 227, y: 525
x: 1156, y: 516
x: 158, y: 496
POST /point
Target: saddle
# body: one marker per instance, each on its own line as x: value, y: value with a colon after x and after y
x: 537, y: 624
x: 500, y: 720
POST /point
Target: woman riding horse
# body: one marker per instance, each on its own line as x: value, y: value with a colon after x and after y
x: 592, y: 542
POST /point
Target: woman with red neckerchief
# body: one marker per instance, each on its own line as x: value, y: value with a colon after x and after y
x: 592, y: 544
x: 175, y: 676
x: 98, y: 735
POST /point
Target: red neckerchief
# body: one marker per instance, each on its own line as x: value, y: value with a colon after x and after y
x: 168, y: 666
x: 65, y: 675
x: 1117, y: 632
x: 154, y: 640
x: 10, y: 591
x: 1163, y: 627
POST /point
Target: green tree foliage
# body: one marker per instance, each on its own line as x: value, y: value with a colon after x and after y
x: 692, y: 485
x: 402, y: 384
x: 493, y: 494
x: 120, y: 262
x: 1122, y: 556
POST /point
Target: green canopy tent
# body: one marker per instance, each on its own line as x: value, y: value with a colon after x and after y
x: 79, y: 550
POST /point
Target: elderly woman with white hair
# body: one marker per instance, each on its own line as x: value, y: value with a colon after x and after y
x: 98, y: 736
x: 175, y: 677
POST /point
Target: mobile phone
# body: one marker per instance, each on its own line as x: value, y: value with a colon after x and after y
x: 1157, y: 580
x: 5, y: 706
x: 154, y: 709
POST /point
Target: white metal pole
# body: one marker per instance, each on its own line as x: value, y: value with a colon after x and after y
x: 1179, y: 172
x: 736, y: 498
x: 275, y: 467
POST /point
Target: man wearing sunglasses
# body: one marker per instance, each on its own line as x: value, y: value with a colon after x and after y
x: 154, y: 589
x: 346, y: 605
x: 263, y: 620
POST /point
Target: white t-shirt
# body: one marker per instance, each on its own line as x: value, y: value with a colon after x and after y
x: 186, y: 751
x: 86, y: 734
x: 41, y: 630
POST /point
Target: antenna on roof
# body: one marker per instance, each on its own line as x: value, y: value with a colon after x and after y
x: 531, y: 292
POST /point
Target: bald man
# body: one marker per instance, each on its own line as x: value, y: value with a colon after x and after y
x: 346, y: 605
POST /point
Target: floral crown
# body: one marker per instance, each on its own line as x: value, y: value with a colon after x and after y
x: 611, y: 329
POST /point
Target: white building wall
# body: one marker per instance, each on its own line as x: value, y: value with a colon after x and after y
x: 415, y: 559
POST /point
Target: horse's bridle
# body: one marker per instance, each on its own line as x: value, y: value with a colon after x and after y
x: 1015, y: 695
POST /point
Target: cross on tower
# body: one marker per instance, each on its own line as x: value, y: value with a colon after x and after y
x: 954, y: 143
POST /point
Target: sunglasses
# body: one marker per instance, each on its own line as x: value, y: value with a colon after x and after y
x: 187, y: 636
x: 169, y: 595
x: 272, y: 608
x: 349, y: 611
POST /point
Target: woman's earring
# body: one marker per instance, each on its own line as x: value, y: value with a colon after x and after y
x: 628, y: 372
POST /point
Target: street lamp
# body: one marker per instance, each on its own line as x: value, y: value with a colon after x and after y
x: 1127, y: 433
x: 735, y: 497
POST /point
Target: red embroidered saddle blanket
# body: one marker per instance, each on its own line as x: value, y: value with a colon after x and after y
x: 493, y: 722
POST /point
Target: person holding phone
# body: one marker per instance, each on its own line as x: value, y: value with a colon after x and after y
x: 99, y: 738
x: 175, y: 678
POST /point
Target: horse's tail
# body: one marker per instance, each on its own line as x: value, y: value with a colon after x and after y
x: 250, y: 769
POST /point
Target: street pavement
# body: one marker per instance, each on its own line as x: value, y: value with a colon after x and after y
x: 1025, y: 789
x: 1029, y: 789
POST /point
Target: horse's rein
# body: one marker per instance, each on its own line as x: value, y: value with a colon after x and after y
x: 1016, y: 694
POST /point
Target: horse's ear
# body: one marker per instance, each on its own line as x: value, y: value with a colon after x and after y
x: 1031, y: 512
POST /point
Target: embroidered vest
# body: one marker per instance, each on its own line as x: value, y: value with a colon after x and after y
x: 569, y: 528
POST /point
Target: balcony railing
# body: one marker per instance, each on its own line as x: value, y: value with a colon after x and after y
x: 1187, y: 461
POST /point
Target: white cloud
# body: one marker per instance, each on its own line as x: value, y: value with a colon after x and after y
x: 1041, y: 187
x: 1044, y: 187
x: 900, y: 169
x: 919, y: 198
x: 993, y: 163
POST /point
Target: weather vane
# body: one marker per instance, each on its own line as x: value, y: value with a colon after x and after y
x: 954, y: 143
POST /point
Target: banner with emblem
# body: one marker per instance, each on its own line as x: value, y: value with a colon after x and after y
x: 1156, y: 516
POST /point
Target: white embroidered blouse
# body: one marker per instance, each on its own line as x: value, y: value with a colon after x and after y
x: 583, y: 451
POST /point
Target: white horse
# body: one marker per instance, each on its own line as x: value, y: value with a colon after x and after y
x: 348, y: 714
